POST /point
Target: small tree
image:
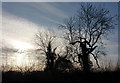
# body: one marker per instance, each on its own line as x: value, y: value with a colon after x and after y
x: 46, y: 45
x: 63, y: 64
x: 88, y: 29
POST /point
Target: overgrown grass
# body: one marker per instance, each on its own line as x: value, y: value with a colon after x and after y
x: 76, y: 76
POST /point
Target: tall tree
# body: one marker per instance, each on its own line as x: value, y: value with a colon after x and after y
x: 89, y: 28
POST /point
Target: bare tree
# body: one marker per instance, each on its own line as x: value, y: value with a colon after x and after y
x: 46, y: 46
x: 88, y: 29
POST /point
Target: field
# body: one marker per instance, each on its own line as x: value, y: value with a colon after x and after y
x: 78, y: 76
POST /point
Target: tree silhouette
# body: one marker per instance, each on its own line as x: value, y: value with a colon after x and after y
x: 63, y: 64
x: 45, y: 42
x: 88, y: 29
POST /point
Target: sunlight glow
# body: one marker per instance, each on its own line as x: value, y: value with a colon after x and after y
x: 20, y: 59
x: 21, y: 46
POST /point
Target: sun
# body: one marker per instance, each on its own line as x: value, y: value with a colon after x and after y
x: 21, y: 46
x: 21, y: 58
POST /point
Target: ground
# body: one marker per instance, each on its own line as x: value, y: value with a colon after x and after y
x: 40, y: 76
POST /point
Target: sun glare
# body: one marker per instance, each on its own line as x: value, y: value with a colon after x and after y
x: 21, y: 58
x: 22, y: 45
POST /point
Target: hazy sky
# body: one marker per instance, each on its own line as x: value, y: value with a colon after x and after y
x: 21, y: 20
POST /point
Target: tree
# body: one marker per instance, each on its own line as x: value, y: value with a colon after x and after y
x: 63, y: 64
x: 46, y: 45
x: 46, y: 42
x: 88, y: 29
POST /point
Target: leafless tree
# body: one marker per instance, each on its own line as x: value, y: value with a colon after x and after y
x: 88, y: 29
x: 45, y: 41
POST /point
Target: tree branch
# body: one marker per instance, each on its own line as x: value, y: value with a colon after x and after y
x: 96, y: 60
x: 97, y: 38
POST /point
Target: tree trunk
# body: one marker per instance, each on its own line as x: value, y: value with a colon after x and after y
x: 85, y: 57
x: 85, y: 61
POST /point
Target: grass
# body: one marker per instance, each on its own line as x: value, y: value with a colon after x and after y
x: 77, y: 76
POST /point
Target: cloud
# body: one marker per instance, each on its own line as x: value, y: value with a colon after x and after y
x: 17, y: 29
x: 51, y: 8
x: 47, y: 14
x: 49, y: 11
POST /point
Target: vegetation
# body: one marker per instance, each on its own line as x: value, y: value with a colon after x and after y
x: 37, y: 76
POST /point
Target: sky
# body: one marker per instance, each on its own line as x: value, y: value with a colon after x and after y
x: 21, y: 20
